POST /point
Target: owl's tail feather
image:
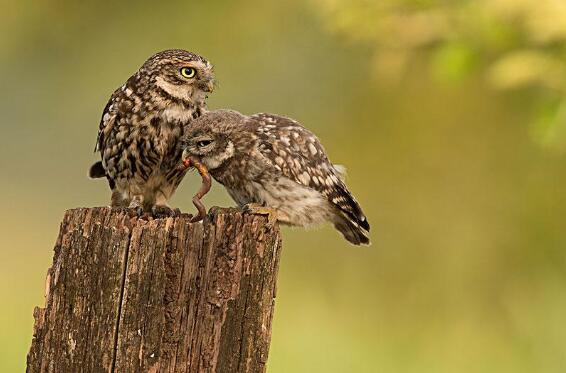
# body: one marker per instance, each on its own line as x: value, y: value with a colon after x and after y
x: 97, y: 170
x: 352, y: 231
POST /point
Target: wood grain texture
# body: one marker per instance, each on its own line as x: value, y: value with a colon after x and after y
x: 166, y: 295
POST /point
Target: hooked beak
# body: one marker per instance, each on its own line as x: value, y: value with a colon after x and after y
x: 210, y: 85
x: 185, y: 159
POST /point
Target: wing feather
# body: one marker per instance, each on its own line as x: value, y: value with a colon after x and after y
x: 106, y: 125
x: 297, y: 154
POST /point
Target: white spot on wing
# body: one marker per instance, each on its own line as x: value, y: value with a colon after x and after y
x: 312, y: 149
x: 304, y: 178
x: 341, y: 171
x: 279, y: 161
x: 285, y: 140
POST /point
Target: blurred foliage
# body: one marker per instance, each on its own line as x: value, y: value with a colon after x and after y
x: 468, y: 269
x: 514, y: 43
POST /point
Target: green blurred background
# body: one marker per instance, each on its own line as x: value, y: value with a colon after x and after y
x: 449, y: 115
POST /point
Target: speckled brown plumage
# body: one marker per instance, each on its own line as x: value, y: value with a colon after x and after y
x: 142, y: 123
x: 275, y: 162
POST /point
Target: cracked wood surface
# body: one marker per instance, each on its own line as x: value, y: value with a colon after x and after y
x: 165, y: 295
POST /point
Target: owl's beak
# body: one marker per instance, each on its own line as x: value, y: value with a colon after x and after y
x: 185, y: 155
x: 210, y: 85
x: 185, y: 160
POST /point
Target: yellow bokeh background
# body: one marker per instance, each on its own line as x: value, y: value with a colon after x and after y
x: 448, y: 115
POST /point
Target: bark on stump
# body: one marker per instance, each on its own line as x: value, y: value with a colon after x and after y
x: 165, y: 295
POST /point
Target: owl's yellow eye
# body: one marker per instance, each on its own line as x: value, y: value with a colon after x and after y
x: 188, y: 72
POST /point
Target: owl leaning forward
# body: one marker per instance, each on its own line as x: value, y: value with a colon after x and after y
x: 142, y: 124
x: 271, y: 164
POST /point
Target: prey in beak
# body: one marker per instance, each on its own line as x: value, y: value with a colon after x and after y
x: 185, y: 161
x: 188, y: 161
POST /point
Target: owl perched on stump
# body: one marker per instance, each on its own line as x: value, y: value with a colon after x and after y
x: 271, y: 164
x: 142, y: 124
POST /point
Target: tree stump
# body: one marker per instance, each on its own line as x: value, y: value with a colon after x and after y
x: 165, y: 295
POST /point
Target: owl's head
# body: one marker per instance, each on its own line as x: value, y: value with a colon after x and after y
x: 180, y: 75
x: 212, y: 139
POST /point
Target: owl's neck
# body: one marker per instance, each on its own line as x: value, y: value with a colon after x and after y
x: 175, y: 113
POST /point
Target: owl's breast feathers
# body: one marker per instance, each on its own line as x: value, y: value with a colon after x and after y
x: 139, y: 134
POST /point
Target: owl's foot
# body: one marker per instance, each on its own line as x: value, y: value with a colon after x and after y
x: 132, y: 212
x: 136, y: 211
x: 257, y: 209
x: 135, y: 208
x: 163, y: 211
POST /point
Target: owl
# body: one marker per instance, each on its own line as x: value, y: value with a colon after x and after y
x: 272, y: 164
x: 142, y: 124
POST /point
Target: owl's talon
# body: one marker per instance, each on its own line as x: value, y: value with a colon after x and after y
x: 136, y: 212
x: 256, y: 209
x: 162, y: 211
x: 132, y: 212
x: 121, y: 210
x: 185, y: 216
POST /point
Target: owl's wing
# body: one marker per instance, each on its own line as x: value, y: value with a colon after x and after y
x: 106, y: 124
x: 297, y: 154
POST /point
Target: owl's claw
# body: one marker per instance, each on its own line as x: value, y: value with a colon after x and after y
x: 162, y: 211
x: 257, y: 209
x: 136, y: 211
x: 132, y: 212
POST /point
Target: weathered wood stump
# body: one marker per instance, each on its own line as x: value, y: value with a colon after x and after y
x: 166, y: 295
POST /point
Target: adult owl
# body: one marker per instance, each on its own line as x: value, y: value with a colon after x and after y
x: 272, y: 164
x: 142, y: 124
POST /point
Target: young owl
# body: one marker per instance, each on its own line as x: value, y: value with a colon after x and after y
x: 273, y: 164
x: 142, y: 124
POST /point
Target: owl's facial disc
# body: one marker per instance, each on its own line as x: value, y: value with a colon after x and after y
x: 212, y: 149
x: 187, y: 81
x: 220, y: 154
